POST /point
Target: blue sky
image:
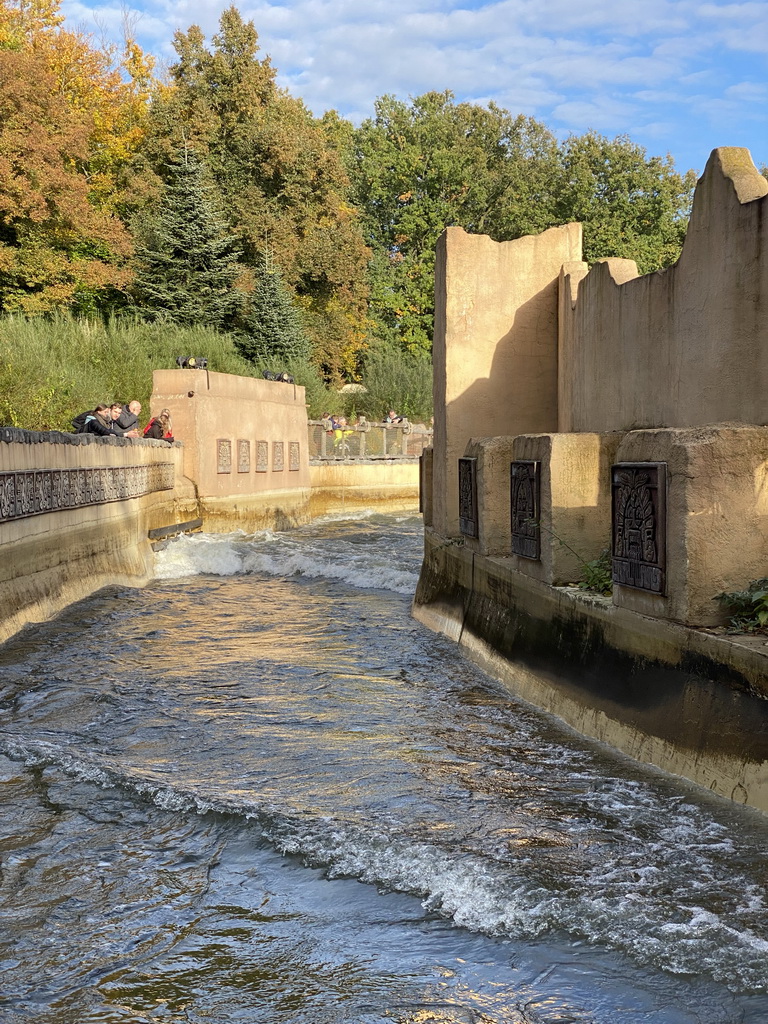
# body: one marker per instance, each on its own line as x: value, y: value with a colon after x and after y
x: 677, y: 76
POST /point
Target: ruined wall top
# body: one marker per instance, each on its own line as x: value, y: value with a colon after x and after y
x: 683, y: 346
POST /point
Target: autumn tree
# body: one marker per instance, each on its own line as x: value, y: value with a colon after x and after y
x: 71, y: 122
x: 280, y: 174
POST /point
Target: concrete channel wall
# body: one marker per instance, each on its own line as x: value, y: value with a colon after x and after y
x: 76, y: 513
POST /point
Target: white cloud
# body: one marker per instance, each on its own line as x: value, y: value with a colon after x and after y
x: 613, y: 65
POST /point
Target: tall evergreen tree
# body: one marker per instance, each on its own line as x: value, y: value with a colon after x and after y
x: 186, y: 262
x: 274, y: 335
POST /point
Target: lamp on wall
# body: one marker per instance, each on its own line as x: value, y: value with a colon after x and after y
x: 191, y: 362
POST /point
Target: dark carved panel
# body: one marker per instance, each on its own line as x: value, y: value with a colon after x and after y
x: 34, y: 492
x: 262, y: 456
x: 639, y: 525
x: 468, y: 497
x: 294, y: 456
x: 525, y: 509
x: 223, y: 455
x: 278, y: 456
x: 243, y: 456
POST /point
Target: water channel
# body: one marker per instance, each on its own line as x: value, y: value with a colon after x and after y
x: 258, y: 791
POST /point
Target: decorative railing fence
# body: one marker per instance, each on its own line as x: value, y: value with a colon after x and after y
x: 365, y: 440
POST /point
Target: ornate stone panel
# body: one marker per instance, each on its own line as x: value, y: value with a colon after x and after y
x: 468, y: 497
x: 294, y: 456
x: 262, y: 456
x: 243, y: 456
x: 278, y: 456
x: 525, y: 509
x: 639, y: 525
x: 34, y: 492
x: 223, y: 455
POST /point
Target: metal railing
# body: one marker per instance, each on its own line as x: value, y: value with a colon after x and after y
x: 363, y: 440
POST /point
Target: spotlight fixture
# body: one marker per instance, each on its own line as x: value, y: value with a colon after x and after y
x: 286, y: 378
x: 191, y: 362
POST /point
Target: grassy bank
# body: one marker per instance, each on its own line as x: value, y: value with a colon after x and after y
x: 52, y: 369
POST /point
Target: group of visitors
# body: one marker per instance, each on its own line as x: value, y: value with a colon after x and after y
x: 118, y: 420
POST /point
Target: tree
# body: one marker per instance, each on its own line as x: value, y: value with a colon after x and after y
x: 54, y: 241
x: 431, y: 163
x: 631, y: 205
x: 186, y: 262
x: 281, y: 177
x: 274, y: 336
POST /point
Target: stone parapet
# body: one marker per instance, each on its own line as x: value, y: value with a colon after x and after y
x: 75, y: 516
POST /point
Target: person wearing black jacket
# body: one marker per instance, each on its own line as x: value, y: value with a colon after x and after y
x: 99, y: 422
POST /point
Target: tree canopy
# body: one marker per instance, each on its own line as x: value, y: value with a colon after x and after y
x: 90, y: 169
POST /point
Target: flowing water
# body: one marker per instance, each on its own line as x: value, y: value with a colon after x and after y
x: 258, y: 791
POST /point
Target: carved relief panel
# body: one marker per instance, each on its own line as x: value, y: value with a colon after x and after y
x: 639, y: 525
x: 278, y: 456
x: 243, y: 456
x: 223, y: 455
x: 468, y: 497
x: 262, y: 456
x: 525, y: 509
x: 294, y: 459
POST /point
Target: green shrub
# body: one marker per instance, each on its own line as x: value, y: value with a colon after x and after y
x: 596, y: 574
x: 395, y: 379
x: 748, y: 608
x: 51, y: 369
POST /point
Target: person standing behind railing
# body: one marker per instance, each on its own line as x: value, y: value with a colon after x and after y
x: 340, y: 434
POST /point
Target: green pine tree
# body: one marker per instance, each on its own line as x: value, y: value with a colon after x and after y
x: 186, y: 258
x: 273, y: 334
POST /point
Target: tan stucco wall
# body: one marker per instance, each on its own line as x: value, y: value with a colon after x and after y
x: 575, y: 494
x: 348, y: 486
x: 495, y: 345
x: 684, y: 346
x: 207, y: 407
x: 716, y: 517
x: 493, y: 455
x: 54, y: 558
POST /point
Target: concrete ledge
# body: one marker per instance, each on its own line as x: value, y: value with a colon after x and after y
x: 345, y: 486
x: 690, y: 702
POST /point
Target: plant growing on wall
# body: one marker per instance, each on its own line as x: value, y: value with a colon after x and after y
x: 748, y: 608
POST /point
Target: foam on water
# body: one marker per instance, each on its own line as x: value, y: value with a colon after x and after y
x: 364, y: 565
x: 476, y: 892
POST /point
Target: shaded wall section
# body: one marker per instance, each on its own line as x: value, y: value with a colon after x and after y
x: 684, y: 346
x: 495, y: 346
x: 75, y: 513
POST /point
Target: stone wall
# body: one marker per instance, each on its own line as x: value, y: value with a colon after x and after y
x: 245, y: 446
x: 684, y: 346
x: 659, y: 460
x: 495, y: 347
x: 75, y: 514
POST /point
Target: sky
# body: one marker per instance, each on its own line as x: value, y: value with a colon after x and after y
x: 679, y: 77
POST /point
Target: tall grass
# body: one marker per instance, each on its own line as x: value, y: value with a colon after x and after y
x: 53, y: 369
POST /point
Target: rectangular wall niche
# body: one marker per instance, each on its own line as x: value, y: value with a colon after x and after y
x: 278, y: 457
x: 243, y: 456
x: 294, y: 456
x: 468, y: 497
x: 262, y: 456
x: 638, y: 493
x: 525, y: 509
x: 223, y: 456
